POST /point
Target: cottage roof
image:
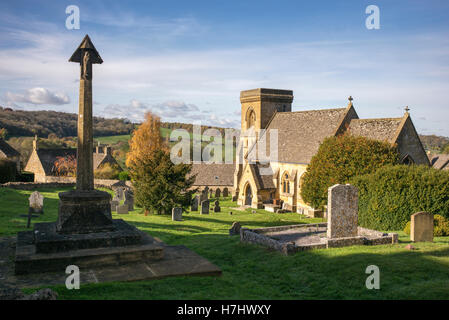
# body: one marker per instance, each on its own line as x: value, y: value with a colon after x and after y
x: 213, y: 174
x: 440, y: 161
x: 7, y: 150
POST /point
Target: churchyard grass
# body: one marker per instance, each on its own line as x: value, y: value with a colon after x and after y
x: 253, y: 272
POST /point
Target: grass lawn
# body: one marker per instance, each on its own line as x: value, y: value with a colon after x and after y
x: 252, y: 272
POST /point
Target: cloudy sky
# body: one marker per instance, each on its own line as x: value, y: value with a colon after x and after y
x: 188, y: 60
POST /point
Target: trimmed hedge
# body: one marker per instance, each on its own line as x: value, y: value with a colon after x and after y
x: 8, y: 171
x: 388, y: 197
x: 340, y: 158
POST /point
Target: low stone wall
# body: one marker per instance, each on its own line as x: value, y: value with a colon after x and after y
x: 263, y: 236
x: 59, y: 183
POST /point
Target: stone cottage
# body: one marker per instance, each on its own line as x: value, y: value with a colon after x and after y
x: 299, y: 135
x: 9, y: 153
x: 42, y: 161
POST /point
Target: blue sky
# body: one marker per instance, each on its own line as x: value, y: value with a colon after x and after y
x: 188, y: 60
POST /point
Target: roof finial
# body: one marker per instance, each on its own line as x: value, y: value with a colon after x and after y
x: 350, y: 98
x: 406, y: 109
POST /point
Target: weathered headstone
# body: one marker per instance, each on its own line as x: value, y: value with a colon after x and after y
x: 194, y: 204
x: 205, y: 207
x: 211, y: 193
x: 235, y: 229
x: 421, y: 227
x: 114, y: 205
x: 217, y: 193
x: 225, y: 192
x: 176, y: 214
x: 36, y: 202
x: 129, y: 200
x: 122, y: 209
x: 217, y: 206
x: 234, y: 198
x: 342, y: 205
x: 120, y: 193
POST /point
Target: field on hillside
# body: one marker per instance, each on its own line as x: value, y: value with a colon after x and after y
x: 252, y: 272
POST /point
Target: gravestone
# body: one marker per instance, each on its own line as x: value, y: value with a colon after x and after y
x: 194, y: 205
x: 421, y: 227
x: 176, y: 214
x: 114, y: 205
x: 234, y: 198
x: 342, y: 205
x: 225, y: 192
x: 120, y: 194
x: 211, y: 193
x: 36, y: 201
x: 129, y: 200
x: 205, y: 207
x: 235, y: 229
x: 217, y: 193
x: 122, y: 209
x: 217, y: 206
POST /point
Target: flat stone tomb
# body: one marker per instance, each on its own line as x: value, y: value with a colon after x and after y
x: 294, y: 238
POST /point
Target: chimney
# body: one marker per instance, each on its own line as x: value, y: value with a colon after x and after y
x: 35, y: 146
x: 98, y: 147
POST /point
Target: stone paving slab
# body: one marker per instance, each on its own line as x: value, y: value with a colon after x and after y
x: 177, y: 261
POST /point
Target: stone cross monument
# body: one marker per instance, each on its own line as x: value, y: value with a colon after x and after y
x: 85, y: 209
x: 85, y: 55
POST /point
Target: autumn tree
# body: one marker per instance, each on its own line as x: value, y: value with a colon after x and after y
x: 159, y: 184
x: 65, y: 166
x: 145, y: 140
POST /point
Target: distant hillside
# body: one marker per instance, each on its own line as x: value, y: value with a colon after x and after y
x: 435, y: 144
x: 62, y: 124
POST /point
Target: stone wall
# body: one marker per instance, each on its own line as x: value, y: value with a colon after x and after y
x: 58, y: 183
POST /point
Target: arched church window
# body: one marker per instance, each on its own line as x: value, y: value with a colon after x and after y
x: 285, y: 184
x: 250, y: 118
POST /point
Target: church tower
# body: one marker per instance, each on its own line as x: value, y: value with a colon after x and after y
x: 259, y: 106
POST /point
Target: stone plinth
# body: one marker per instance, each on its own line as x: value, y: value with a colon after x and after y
x: 421, y: 228
x: 342, y: 211
x: 84, y: 212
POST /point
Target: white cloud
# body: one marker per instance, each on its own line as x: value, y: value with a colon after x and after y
x: 37, y: 96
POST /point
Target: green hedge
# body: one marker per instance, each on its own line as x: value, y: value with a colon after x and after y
x: 8, y: 171
x: 388, y: 197
x: 340, y: 158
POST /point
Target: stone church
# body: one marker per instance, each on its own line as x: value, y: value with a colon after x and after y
x: 270, y: 184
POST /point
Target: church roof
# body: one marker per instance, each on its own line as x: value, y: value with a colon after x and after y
x: 300, y: 133
x: 263, y: 180
x: 214, y: 174
x: 384, y: 129
x: 440, y: 161
x: 7, y: 150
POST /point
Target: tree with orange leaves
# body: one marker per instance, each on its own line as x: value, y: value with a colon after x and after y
x: 145, y: 141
